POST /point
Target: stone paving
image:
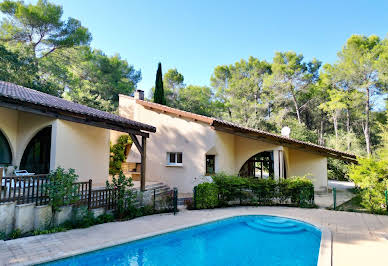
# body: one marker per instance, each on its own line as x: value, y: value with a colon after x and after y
x: 358, y: 239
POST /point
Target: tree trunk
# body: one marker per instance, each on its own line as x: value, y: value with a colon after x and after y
x: 348, y: 129
x: 296, y: 105
x: 321, y: 142
x: 366, y: 126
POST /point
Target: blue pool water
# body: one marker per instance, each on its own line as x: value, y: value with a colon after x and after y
x: 243, y: 240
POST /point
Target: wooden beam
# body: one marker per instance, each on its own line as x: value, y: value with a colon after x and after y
x: 143, y: 164
x: 137, y: 144
x: 59, y: 114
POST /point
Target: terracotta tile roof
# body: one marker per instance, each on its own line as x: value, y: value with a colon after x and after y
x: 219, y: 124
x: 10, y: 91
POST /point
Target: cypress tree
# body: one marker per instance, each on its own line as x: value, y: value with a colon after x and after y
x: 159, y: 91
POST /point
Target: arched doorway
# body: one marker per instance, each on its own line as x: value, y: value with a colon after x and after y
x: 5, y: 151
x: 260, y: 165
x: 36, y: 157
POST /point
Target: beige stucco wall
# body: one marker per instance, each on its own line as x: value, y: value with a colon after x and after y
x: 73, y: 145
x: 19, y: 128
x: 300, y: 163
x: 9, y: 127
x: 196, y: 139
x: 245, y: 148
x: 82, y: 147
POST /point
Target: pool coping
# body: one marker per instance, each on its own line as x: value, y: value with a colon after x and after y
x: 324, y: 257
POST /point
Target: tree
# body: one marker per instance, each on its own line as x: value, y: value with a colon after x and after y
x: 371, y: 175
x: 196, y: 99
x: 36, y: 32
x: 40, y: 27
x: 359, y: 59
x: 292, y: 78
x: 240, y: 88
x: 159, y: 91
x: 173, y: 82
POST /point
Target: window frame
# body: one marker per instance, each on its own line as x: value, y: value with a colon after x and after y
x: 176, y: 156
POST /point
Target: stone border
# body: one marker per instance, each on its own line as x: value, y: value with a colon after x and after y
x: 324, y: 257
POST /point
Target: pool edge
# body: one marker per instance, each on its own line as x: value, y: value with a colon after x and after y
x: 324, y: 257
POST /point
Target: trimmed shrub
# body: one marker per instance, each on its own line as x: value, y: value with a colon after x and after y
x: 229, y: 188
x: 207, y: 196
x: 299, y: 189
x: 234, y: 190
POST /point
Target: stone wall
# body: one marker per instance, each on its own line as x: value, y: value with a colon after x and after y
x: 28, y: 217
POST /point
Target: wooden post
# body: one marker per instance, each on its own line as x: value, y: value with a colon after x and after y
x: 143, y: 164
x: 90, y: 194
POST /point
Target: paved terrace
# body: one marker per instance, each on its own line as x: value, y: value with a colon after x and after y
x: 358, y: 239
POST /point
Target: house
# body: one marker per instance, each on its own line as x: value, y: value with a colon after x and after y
x: 188, y: 146
x: 40, y: 132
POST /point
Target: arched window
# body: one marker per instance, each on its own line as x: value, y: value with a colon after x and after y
x: 5, y: 151
x: 260, y: 165
x: 36, y: 157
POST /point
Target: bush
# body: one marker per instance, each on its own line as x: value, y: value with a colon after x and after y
x: 371, y: 175
x: 229, y: 187
x: 264, y: 190
x: 299, y: 189
x: 226, y: 190
x: 206, y: 196
x: 124, y: 195
x: 60, y: 189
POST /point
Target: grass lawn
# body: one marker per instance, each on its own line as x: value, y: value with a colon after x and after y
x: 352, y: 205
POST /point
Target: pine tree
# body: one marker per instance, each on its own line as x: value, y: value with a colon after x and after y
x: 159, y: 91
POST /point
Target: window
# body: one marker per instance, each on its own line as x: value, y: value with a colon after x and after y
x: 210, y: 164
x: 5, y: 151
x: 174, y: 158
x: 260, y: 165
x: 36, y: 156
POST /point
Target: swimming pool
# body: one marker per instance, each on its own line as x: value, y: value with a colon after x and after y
x: 243, y: 240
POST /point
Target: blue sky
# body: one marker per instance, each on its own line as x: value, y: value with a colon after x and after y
x: 196, y: 36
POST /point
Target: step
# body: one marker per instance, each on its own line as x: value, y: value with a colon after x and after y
x: 275, y: 225
x: 268, y: 229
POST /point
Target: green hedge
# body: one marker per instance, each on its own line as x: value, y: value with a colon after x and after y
x: 233, y: 190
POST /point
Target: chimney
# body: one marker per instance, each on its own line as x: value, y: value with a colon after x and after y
x: 139, y: 95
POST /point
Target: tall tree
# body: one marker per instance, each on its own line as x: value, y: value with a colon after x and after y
x: 241, y: 88
x: 40, y: 27
x: 359, y: 59
x: 96, y: 79
x: 36, y: 32
x: 159, y: 91
x: 292, y: 78
x: 197, y: 99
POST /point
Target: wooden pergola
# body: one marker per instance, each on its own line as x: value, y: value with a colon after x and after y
x: 83, y: 115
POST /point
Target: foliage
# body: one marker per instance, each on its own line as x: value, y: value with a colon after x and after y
x: 40, y: 27
x: 371, y: 175
x: 337, y: 170
x: 207, y: 196
x: 124, y: 195
x: 16, y: 233
x: 117, y: 154
x: 159, y: 96
x: 229, y: 190
x: 60, y: 188
x: 96, y: 79
x: 299, y: 189
x: 45, y: 52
